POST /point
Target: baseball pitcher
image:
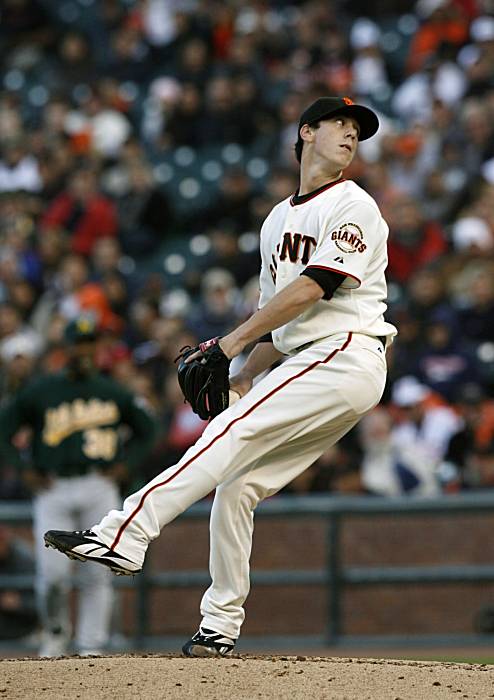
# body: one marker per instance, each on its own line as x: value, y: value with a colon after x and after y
x: 323, y: 291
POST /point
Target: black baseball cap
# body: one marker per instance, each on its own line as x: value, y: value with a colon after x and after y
x: 328, y: 107
x: 80, y: 330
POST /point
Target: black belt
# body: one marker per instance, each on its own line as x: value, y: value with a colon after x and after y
x: 382, y: 338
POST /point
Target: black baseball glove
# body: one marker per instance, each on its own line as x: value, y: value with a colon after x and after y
x: 204, y: 380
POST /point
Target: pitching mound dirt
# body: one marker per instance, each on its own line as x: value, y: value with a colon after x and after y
x: 242, y: 678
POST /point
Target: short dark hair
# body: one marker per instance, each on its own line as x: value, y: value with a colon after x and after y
x: 300, y: 142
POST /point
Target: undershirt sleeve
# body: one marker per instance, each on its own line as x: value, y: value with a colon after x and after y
x: 328, y: 280
x: 266, y: 338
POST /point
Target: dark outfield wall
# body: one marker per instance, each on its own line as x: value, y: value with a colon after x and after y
x: 301, y: 543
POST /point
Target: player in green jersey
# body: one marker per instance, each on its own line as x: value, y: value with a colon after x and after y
x: 78, y: 455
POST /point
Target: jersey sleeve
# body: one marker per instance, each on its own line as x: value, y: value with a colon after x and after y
x: 328, y: 280
x: 349, y: 241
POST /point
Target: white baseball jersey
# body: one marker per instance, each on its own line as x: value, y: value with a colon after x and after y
x: 339, y: 228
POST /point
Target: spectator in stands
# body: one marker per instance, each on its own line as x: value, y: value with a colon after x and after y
x: 144, y: 213
x: 18, y: 261
x: 445, y: 360
x: 106, y: 257
x: 23, y: 295
x: 232, y: 206
x: 65, y: 274
x: 246, y: 54
x: 193, y: 64
x: 53, y: 118
x: 476, y: 318
x: 77, y: 293
x: 404, y: 457
x: 25, y: 23
x: 83, y: 211
x: 441, y: 79
x: 414, y: 242
x: 402, y: 355
x: 406, y: 167
x: 471, y: 446
x: 76, y: 62
x: 18, y: 357
x: 478, y: 134
x: 438, y: 195
x: 480, y: 473
x: 182, y: 125
x: 12, y: 327
x: 19, y: 170
x: 10, y: 118
x: 223, y: 120
x: 442, y: 21
x: 103, y: 119
x: 56, y: 162
x: 477, y: 58
x: 449, y: 160
x: 160, y: 27
x: 225, y: 253
x: 129, y: 55
x: 50, y: 248
x: 369, y: 74
x: 427, y: 293
x: 216, y: 312
x: 380, y: 471
x: 472, y: 236
x: 143, y: 313
x: 249, y: 100
x: 116, y: 293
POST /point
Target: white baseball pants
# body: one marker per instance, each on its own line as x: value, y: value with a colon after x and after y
x: 249, y: 452
x: 70, y: 504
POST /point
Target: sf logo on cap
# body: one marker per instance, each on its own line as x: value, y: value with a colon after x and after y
x: 347, y: 101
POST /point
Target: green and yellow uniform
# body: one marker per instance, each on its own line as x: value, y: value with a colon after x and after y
x: 77, y: 425
x: 82, y: 426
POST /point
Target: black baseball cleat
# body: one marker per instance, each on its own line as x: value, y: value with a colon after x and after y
x: 207, y: 642
x: 85, y: 546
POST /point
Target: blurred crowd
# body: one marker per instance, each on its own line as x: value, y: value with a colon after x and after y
x: 142, y: 142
